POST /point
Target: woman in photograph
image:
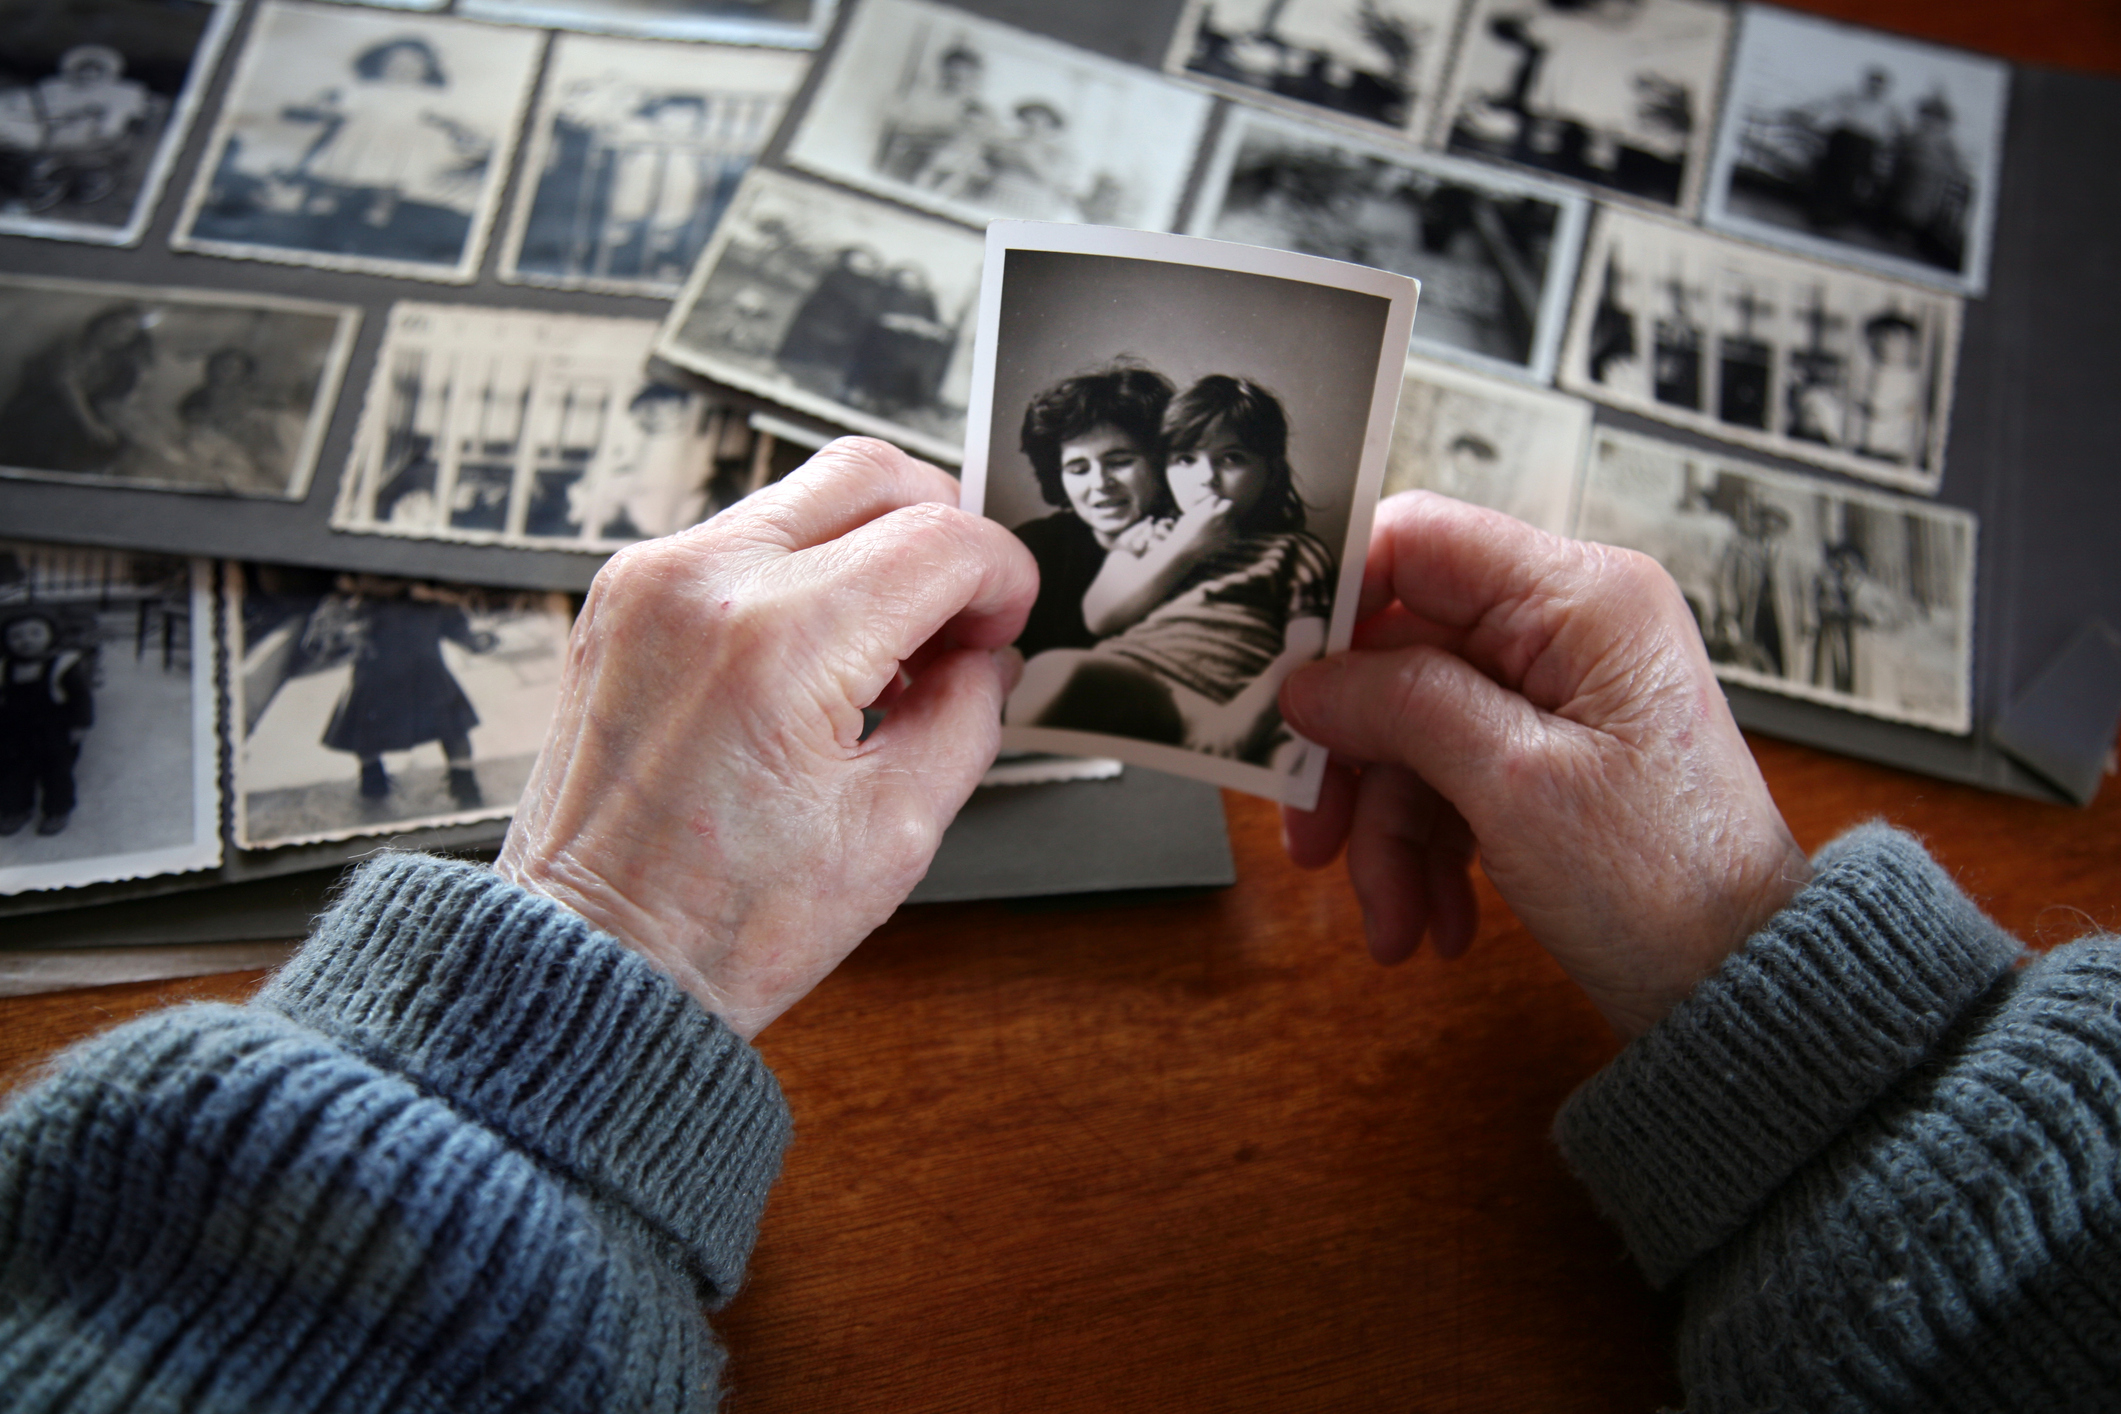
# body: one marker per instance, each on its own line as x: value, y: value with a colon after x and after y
x: 69, y: 411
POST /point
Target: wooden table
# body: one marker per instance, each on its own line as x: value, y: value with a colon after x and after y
x: 1201, y: 1155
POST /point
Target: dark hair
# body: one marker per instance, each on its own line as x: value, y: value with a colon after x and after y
x: 370, y: 62
x: 656, y: 393
x: 1890, y: 322
x: 1039, y: 105
x: 1125, y: 397
x: 1255, y: 417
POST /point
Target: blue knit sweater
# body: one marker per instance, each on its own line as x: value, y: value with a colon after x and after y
x: 466, y: 1153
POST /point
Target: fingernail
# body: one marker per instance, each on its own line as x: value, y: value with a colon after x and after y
x: 1011, y: 663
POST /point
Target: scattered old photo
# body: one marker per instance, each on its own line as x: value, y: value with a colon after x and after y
x: 1859, y: 146
x: 1371, y: 61
x: 1800, y: 585
x: 1502, y: 445
x: 799, y: 24
x: 95, y: 99
x: 362, y: 140
x: 939, y: 109
x: 108, y: 763
x: 1620, y: 95
x: 361, y: 704
x: 516, y: 427
x: 183, y: 390
x: 635, y: 152
x: 836, y: 306
x: 1827, y: 365
x: 1189, y: 437
x: 1495, y: 253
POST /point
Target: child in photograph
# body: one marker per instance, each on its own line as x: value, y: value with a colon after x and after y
x: 1887, y: 419
x: 46, y: 708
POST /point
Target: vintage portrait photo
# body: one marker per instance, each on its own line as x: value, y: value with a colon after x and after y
x: 634, y: 154
x: 1502, y: 445
x: 181, y: 390
x: 799, y: 24
x: 1859, y: 146
x: 1189, y: 437
x: 931, y: 106
x: 95, y: 99
x: 1620, y: 95
x: 1828, y: 365
x: 836, y: 306
x: 108, y: 763
x: 1375, y: 61
x: 362, y: 140
x: 362, y: 705
x: 1495, y: 253
x: 514, y: 427
x: 1800, y: 586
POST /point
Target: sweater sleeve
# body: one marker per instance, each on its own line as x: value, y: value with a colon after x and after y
x: 1879, y: 1154
x: 463, y: 1153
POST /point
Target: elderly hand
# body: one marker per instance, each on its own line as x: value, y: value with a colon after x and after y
x: 705, y: 795
x: 1548, y: 702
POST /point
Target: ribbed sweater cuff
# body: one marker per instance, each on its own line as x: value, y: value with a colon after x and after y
x: 1689, y: 1131
x: 525, y: 1019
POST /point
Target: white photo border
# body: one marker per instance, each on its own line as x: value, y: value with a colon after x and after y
x: 559, y: 15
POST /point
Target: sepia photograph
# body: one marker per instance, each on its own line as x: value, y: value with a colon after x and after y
x: 796, y: 24
x: 634, y: 154
x: 1495, y: 253
x: 516, y: 427
x: 1370, y: 61
x: 1189, y: 437
x: 1820, y: 363
x: 95, y: 99
x: 839, y: 307
x: 1800, y: 585
x: 109, y: 767
x: 178, y: 390
x: 939, y: 109
x: 1620, y: 95
x: 360, y: 704
x: 362, y: 140
x: 1859, y: 146
x: 1497, y: 444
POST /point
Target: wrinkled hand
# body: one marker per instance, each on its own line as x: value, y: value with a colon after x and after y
x: 704, y: 794
x: 1549, y: 703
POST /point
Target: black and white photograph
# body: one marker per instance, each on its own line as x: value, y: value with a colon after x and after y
x: 1497, y: 444
x: 1495, y: 252
x: 939, y: 109
x: 1367, y: 61
x: 1189, y: 437
x: 839, y: 307
x: 362, y: 140
x: 517, y: 427
x: 1854, y: 145
x: 1821, y: 363
x: 360, y: 704
x: 1620, y: 95
x: 1800, y: 585
x: 635, y: 153
x: 175, y: 390
x: 797, y: 24
x: 95, y: 99
x: 108, y: 760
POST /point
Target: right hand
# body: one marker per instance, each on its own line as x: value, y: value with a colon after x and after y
x: 1549, y: 703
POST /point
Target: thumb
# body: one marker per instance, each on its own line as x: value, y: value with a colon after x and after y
x: 942, y: 733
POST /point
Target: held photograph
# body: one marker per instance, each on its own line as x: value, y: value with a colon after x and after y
x: 939, y: 109
x: 108, y: 760
x: 1858, y: 146
x: 1366, y: 61
x: 362, y: 140
x: 175, y: 390
x: 797, y: 24
x: 360, y: 704
x: 1495, y: 252
x: 1801, y: 586
x: 635, y: 152
x: 1501, y: 445
x: 95, y: 99
x: 1189, y: 437
x: 1620, y: 95
x: 1816, y: 362
x: 836, y: 306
